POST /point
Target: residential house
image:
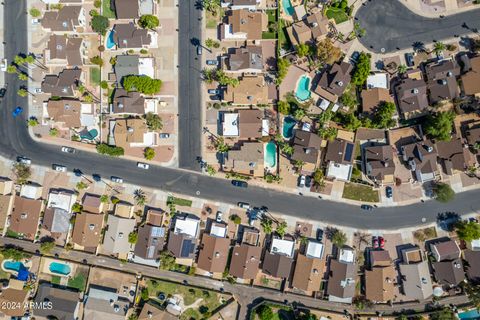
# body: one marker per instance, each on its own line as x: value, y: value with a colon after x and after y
x: 246, y: 256
x: 92, y: 203
x: 379, y: 164
x: 247, y: 59
x: 87, y: 231
x: 248, y: 159
x: 278, y: 261
x: 243, y: 25
x: 339, y: 159
x: 31, y: 191
x: 245, y: 124
x: 126, y: 65
x: 415, y: 274
x: 334, y: 82
x: 455, y: 156
x: 151, y: 236
x: 447, y: 267
x: 62, y: 85
x: 25, y: 215
x: 63, y: 51
x: 115, y: 241
x: 472, y: 265
x: 66, y: 19
x: 127, y: 9
x: 411, y: 95
x: 378, y: 80
x: 128, y: 36
x: 133, y: 132
x: 308, y: 273
x: 13, y: 300
x: 65, y: 113
x: 381, y: 278
x: 312, y: 29
x: 59, y: 212
x: 214, y: 249
x: 471, y: 78
x: 306, y: 148
x: 104, y: 303
x: 6, y: 186
x: 342, y: 277
x: 472, y: 134
x: 251, y: 90
x: 182, y: 239
x: 127, y: 103
x: 68, y: 300
x: 374, y: 98
x: 442, y: 81
x: 153, y: 312
x: 421, y: 158
x: 124, y: 209
x: 445, y: 250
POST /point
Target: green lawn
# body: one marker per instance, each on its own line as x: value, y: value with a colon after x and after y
x: 268, y: 35
x: 106, y: 10
x: 272, y: 15
x: 337, y: 14
x: 56, y: 279
x: 12, y: 234
x: 283, y: 40
x: 95, y: 76
x: 179, y: 201
x: 78, y: 282
x: 3, y: 274
x: 360, y: 192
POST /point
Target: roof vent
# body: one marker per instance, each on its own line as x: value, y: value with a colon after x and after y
x: 120, y: 235
x: 449, y: 74
x: 444, y: 82
x: 64, y: 24
x: 340, y: 83
x: 116, y: 308
x: 23, y: 216
x: 59, y: 47
x: 91, y: 226
x: 314, y: 24
x: 217, y: 254
x: 243, y: 21
x: 415, y: 91
x: 424, y: 281
x: 120, y: 105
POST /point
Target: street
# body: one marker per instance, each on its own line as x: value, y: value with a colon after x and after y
x: 391, y: 26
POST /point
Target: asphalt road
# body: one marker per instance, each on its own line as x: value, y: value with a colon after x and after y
x: 15, y: 140
x: 189, y: 85
x: 392, y: 26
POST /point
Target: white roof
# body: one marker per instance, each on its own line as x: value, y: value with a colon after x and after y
x: 151, y: 105
x: 475, y: 244
x: 377, y: 80
x: 227, y: 28
x: 306, y: 126
x: 87, y: 120
x: 61, y: 200
x: 218, y: 230
x: 324, y: 104
x: 265, y: 128
x: 282, y: 246
x: 314, y: 249
x: 335, y: 107
x: 339, y: 171
x: 346, y: 255
x: 187, y: 226
x: 87, y: 108
x: 29, y: 191
x: 146, y: 67
x: 230, y: 124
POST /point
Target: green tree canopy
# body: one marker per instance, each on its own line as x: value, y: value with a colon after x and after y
x: 47, y: 246
x: 100, y: 24
x: 281, y: 228
x: 148, y: 21
x: 154, y: 122
x: 468, y: 230
x: 440, y: 125
x: 303, y: 50
x: 266, y: 225
x: 284, y: 107
x: 362, y: 69
x: 383, y: 117
x: 113, y: 151
x: 265, y: 312
x: 34, y: 12
x: 443, y: 192
x: 132, y: 237
x: 339, y: 238
x: 143, y: 84
x: 149, y: 153
x: 282, y: 69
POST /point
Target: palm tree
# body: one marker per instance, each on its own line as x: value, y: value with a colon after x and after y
x: 22, y: 92
x: 438, y: 47
x: 22, y: 77
x: 402, y: 68
x: 418, y: 46
x: 12, y: 69
x: 140, y: 197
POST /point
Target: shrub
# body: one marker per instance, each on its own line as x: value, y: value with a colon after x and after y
x: 153, y: 120
x: 148, y: 21
x: 104, y: 84
x: 113, y: 151
x: 101, y: 48
x: 93, y: 13
x: 362, y: 69
x: 97, y: 60
x: 143, y: 51
x: 443, y: 192
x: 149, y: 153
x: 284, y: 107
x: 97, y: 4
x: 34, y: 12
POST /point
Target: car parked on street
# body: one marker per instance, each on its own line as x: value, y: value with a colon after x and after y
x: 199, y: 50
x: 24, y: 160
x: 142, y: 165
x: 68, y: 150
x: 4, y: 65
x: 366, y: 207
x: 2, y: 92
x: 96, y: 177
x: 59, y: 168
x: 244, y: 205
x: 17, y: 111
x: 239, y: 183
x: 116, y: 179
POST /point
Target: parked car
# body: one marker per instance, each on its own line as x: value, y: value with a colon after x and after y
x: 239, y: 183
x: 212, y: 62
x: 4, y: 65
x: 199, y: 50
x: 219, y: 216
x: 409, y: 59
x: 319, y: 235
x: 35, y: 21
x: 375, y: 242
x: 38, y: 90
x: 142, y: 165
x: 381, y: 242
x: 164, y: 135
x: 77, y: 172
x: 244, y: 205
x: 301, y: 181
x: 17, y: 111
x: 68, y: 150
x: 213, y: 91
x: 354, y: 57
x: 96, y: 177
x: 59, y: 168
x: 116, y: 179
x: 24, y: 160
x: 308, y: 181
x: 366, y: 207
x: 2, y: 92
x: 389, y: 192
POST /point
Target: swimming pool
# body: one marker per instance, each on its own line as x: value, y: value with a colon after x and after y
x: 90, y: 135
x: 303, y: 88
x: 287, y: 7
x: 110, y: 40
x: 59, y: 268
x: 469, y: 315
x: 13, y: 265
x: 270, y: 154
x: 288, y: 125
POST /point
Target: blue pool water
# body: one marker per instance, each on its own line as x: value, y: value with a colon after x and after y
x: 470, y: 315
x: 288, y: 124
x: 60, y: 268
x: 287, y: 7
x: 110, y: 41
x: 303, y: 89
x: 271, y: 154
x: 90, y: 135
x: 14, y: 265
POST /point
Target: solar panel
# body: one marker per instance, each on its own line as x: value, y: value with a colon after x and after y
x: 186, y: 250
x: 348, y: 152
x: 157, y: 232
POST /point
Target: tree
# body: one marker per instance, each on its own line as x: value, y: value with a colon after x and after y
x: 19, y: 60
x: 362, y: 69
x: 287, y: 149
x: 299, y: 114
x: 93, y: 13
x: 32, y: 122
x: 445, y: 314
x: 154, y: 122
x: 34, y: 12
x: 22, y: 76
x: 283, y: 107
x: 149, y: 153
x: 210, y: 43
x: 303, y: 50
x: 13, y: 254
x: 97, y: 4
x: 438, y: 47
x: 22, y: 172
x: 100, y: 24
x: 208, y: 75
x: 140, y: 197
x: 383, y: 117
x: 221, y: 146
x: 104, y: 85
x: 148, y: 21
x: 468, y: 230
x: 81, y: 185
x: 236, y: 219
x: 440, y: 125
x: 97, y: 60
x: 473, y: 293
x: 12, y: 69
x: 265, y: 312
x: 225, y: 80
x: 443, y: 192
x: 132, y: 237
x: 351, y: 122
x: 22, y: 92
x: 327, y: 53
x: 211, y: 170
x: 281, y: 228
x: 266, y: 225
x: 282, y: 69
x: 211, y: 5
x: 47, y: 246
x: 104, y: 198
x: 143, y: 84
x: 77, y: 207
x: 104, y: 148
x: 167, y: 261
x: 348, y: 99
x: 319, y: 178
x: 402, y: 69
x: 53, y: 132
x: 339, y: 238
x: 329, y: 133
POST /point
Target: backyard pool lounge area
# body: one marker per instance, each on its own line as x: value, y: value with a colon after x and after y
x: 270, y: 158
x: 18, y: 268
x: 302, y: 91
x: 288, y: 125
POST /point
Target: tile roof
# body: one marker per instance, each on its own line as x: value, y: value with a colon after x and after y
x: 62, y: 49
x: 129, y: 36
x: 128, y: 102
x: 249, y: 58
x: 116, y: 237
x: 340, y: 151
x: 379, y: 161
x: 449, y: 272
x: 306, y: 147
x: 25, y: 215
x: 127, y: 9
x: 128, y: 131
x: 249, y: 157
x: 372, y: 98
x: 213, y: 253
x: 62, y: 85
x: 250, y: 90
x: 92, y: 203
x: 334, y: 81
x: 277, y: 265
x: 245, y: 261
x: 67, y: 112
x: 87, y: 230
x: 471, y: 79
x: 249, y: 23
x: 65, y: 19
x: 472, y: 265
x: 411, y: 95
x: 380, y: 283
x: 342, y: 279
x: 308, y: 273
x: 151, y: 240
x: 66, y: 302
x: 250, y: 123
x: 454, y: 155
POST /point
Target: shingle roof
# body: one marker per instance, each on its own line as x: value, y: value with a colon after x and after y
x: 129, y: 36
x: 411, y: 95
x: 335, y: 80
x: 128, y: 102
x: 379, y: 161
x: 308, y: 273
x: 245, y: 261
x: 25, y: 215
x: 66, y: 302
x: 65, y: 19
x: 449, y: 272
x: 249, y: 57
x: 213, y: 253
x: 276, y: 265
x: 63, y: 84
x: 87, y: 230
x: 340, y: 151
x: 342, y: 279
x: 126, y: 9
x: 472, y: 265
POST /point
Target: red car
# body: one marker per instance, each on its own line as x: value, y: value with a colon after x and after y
x: 382, y: 242
x: 375, y: 242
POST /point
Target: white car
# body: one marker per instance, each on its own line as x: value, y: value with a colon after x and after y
x: 38, y: 90
x: 244, y: 205
x: 35, y: 21
x: 219, y: 216
x: 301, y: 182
x: 142, y: 165
x: 116, y: 179
x: 4, y: 64
x: 59, y: 168
x: 24, y: 160
x: 68, y: 150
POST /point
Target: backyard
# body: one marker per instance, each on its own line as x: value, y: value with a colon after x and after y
x: 3, y: 274
x: 205, y: 301
x: 360, y: 192
x: 95, y: 76
x: 107, y: 10
x: 272, y: 25
x: 337, y: 14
